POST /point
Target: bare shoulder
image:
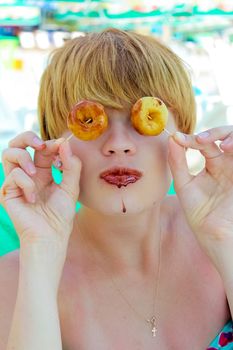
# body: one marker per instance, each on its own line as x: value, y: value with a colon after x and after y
x: 9, y: 272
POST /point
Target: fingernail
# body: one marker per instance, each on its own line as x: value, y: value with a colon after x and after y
x: 37, y: 141
x: 180, y: 136
x: 57, y: 163
x: 225, y: 142
x: 59, y: 141
x: 203, y: 135
x: 31, y: 168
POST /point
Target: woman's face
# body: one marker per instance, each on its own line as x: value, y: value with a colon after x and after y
x: 122, y: 146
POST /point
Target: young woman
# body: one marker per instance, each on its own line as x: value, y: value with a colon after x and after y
x: 134, y: 268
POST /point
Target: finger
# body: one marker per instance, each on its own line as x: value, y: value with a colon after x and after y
x: 57, y: 163
x: 16, y: 157
x: 209, y: 150
x: 227, y: 144
x: 43, y: 159
x: 178, y: 164
x: 44, y: 151
x: 25, y: 139
x: 223, y: 133
x: 71, y: 166
x: 16, y: 184
x: 215, y: 134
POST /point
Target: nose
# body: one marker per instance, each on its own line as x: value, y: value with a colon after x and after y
x: 118, y: 142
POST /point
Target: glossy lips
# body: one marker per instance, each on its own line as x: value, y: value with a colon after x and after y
x: 121, y: 176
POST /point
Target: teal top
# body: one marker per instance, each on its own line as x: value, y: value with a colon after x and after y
x: 224, y: 339
x: 9, y: 241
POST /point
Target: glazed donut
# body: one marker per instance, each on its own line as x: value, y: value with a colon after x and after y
x: 149, y: 116
x: 87, y: 120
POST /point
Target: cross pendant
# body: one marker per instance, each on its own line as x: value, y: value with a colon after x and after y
x: 152, y: 321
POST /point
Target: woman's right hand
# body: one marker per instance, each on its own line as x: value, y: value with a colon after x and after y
x: 49, y: 216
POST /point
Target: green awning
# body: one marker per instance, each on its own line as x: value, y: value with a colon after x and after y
x: 19, y: 15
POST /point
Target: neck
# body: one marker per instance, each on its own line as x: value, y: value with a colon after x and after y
x: 126, y: 242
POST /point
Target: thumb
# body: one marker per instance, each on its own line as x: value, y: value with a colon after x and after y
x: 178, y: 164
x: 71, y: 168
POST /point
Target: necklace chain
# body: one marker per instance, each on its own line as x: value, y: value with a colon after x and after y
x: 153, y: 320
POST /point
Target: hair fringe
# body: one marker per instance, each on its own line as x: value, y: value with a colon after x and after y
x: 114, y: 68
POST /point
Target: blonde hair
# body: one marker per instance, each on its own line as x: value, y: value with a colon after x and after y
x: 115, y: 68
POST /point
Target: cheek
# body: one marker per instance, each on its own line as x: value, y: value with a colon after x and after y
x: 158, y: 167
x: 83, y: 152
x: 158, y: 150
x: 163, y: 158
x: 164, y: 154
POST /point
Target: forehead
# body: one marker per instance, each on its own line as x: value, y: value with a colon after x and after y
x: 114, y: 111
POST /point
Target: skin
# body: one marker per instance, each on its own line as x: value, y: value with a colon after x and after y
x: 121, y: 145
x: 104, y: 241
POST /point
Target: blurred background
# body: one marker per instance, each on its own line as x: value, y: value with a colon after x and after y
x: 199, y: 31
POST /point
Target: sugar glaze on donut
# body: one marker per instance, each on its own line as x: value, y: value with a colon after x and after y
x: 87, y: 120
x: 149, y: 116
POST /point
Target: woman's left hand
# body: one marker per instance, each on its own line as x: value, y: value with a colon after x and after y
x: 207, y: 198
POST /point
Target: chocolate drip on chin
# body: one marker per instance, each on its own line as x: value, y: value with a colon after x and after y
x: 123, y: 207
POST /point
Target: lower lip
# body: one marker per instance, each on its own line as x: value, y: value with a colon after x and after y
x: 119, y: 181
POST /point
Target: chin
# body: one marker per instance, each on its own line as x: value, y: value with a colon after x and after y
x: 116, y: 210
x: 119, y: 202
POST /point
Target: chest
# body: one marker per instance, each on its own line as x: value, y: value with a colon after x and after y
x: 191, y: 310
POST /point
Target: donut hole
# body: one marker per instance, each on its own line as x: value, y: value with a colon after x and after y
x: 87, y: 120
x: 153, y: 116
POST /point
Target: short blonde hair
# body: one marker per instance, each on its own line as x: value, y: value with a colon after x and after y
x: 115, y: 68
